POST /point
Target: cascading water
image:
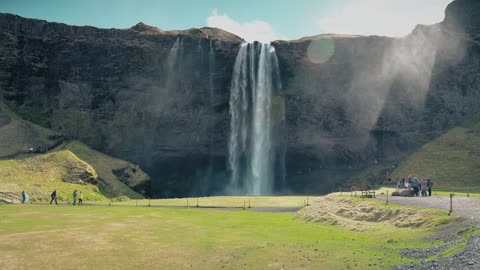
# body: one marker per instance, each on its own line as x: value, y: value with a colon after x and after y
x: 252, y: 147
x: 211, y: 71
x: 172, y: 64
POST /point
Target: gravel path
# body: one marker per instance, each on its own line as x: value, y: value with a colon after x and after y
x: 467, y: 208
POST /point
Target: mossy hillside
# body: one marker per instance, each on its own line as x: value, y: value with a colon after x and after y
x: 62, y: 169
x: 452, y: 160
x: 17, y: 135
x: 128, y: 176
x: 39, y: 175
x: 113, y: 177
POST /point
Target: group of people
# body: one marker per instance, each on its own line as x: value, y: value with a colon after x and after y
x: 418, y: 186
x: 76, y: 195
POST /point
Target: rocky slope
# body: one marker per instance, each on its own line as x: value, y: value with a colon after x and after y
x: 160, y: 99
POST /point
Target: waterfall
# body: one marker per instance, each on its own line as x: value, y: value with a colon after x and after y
x: 252, y: 147
x: 172, y: 64
x: 211, y: 71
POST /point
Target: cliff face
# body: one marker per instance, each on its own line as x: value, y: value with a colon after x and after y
x: 160, y: 99
x: 152, y: 97
x: 358, y: 101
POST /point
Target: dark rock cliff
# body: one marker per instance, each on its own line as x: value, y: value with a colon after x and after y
x: 120, y: 92
x: 351, y: 101
x: 355, y: 101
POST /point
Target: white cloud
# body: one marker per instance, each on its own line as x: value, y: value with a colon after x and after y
x: 383, y: 17
x: 250, y: 31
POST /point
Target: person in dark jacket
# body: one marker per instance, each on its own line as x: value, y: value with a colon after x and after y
x: 54, y: 196
x: 75, y: 193
x: 429, y: 186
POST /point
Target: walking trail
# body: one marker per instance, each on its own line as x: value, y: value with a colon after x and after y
x: 466, y: 208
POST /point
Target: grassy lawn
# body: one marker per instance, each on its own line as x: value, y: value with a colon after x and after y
x: 225, y: 201
x: 66, y: 237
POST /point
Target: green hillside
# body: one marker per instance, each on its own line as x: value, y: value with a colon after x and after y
x: 116, y: 176
x: 39, y: 175
x: 452, y: 160
x: 17, y: 135
x: 66, y: 166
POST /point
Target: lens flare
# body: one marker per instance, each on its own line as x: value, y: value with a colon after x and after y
x: 321, y: 50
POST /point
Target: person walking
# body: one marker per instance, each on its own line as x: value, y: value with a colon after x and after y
x: 24, y: 197
x: 80, y: 198
x: 54, y: 196
x: 429, y: 186
x: 415, y: 186
x: 424, y: 187
x: 75, y: 193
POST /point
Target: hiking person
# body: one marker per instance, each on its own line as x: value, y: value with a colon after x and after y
x: 403, y: 182
x: 415, y: 186
x: 24, y: 197
x: 409, y: 182
x: 54, y: 196
x: 424, y: 188
x: 75, y: 193
x: 429, y: 186
x: 80, y: 198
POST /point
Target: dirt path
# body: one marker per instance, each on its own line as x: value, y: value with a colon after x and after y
x: 467, y: 208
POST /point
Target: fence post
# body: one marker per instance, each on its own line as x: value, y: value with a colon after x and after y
x: 340, y: 191
x: 197, y: 202
x: 136, y: 203
x: 249, y: 203
x: 244, y: 205
x: 307, y: 201
x: 387, y: 198
x: 451, y: 202
x: 187, y: 203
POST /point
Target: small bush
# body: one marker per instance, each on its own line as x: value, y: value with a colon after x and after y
x: 120, y: 199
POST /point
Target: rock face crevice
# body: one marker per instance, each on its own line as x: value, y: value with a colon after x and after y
x: 350, y: 101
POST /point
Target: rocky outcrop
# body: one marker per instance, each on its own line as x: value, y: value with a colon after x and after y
x: 161, y: 100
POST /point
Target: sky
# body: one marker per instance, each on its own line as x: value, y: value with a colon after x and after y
x: 263, y: 20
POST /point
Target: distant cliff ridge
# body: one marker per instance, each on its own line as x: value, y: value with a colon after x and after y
x: 161, y: 99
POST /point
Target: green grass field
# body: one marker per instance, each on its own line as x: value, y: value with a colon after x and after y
x: 102, y: 237
x: 224, y: 201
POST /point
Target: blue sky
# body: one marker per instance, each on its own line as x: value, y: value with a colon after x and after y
x: 252, y: 19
